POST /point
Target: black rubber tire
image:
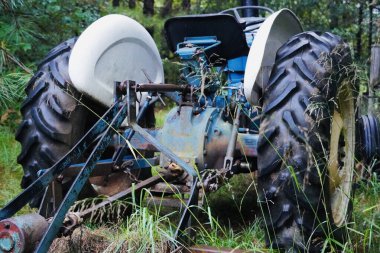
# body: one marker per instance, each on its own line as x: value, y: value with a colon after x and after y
x: 53, y: 120
x: 292, y: 164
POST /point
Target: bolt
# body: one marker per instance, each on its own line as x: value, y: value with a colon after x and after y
x: 60, y: 178
x: 6, y: 242
x: 217, y: 132
x: 129, y: 163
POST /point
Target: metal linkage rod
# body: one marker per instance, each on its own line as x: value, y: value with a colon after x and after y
x: 143, y: 184
x: 81, y: 179
x: 121, y: 152
x: 156, y: 87
x: 164, y: 149
x: 190, y: 209
x: 43, y: 181
x: 228, y: 160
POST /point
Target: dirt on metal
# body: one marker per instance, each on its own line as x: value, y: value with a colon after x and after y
x: 81, y: 240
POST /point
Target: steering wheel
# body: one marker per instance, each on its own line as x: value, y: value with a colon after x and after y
x: 247, y: 20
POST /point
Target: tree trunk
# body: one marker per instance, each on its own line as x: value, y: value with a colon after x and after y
x: 115, y: 3
x: 186, y: 5
x: 370, y: 29
x: 167, y: 8
x: 359, y: 33
x: 132, y: 4
x: 250, y: 12
x: 334, y: 18
x: 374, y: 77
x: 148, y: 8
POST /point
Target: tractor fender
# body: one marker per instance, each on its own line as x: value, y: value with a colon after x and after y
x: 113, y: 48
x: 272, y: 34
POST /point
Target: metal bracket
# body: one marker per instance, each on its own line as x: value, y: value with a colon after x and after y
x: 185, y: 234
x: 44, y: 180
x: 82, y: 178
x: 164, y: 149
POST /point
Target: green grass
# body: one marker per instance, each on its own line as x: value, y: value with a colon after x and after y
x: 10, y: 171
x: 227, y: 220
x: 365, y: 234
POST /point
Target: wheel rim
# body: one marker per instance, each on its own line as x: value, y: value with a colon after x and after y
x: 342, y: 155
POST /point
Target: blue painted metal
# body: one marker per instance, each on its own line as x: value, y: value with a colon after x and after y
x: 187, y: 49
x: 43, y: 181
x: 199, y: 139
x: 247, y: 144
x: 188, y: 213
x: 235, y: 69
x: 188, y: 168
x: 105, y: 167
x: 82, y: 178
x: 138, y: 142
x: 122, y: 151
x: 192, y: 53
x: 196, y: 135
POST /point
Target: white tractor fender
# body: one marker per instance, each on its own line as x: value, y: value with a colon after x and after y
x: 272, y: 34
x: 113, y: 48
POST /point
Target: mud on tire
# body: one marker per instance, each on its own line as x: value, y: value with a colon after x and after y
x: 296, y: 150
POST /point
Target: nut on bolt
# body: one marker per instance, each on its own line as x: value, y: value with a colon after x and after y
x: 175, y: 170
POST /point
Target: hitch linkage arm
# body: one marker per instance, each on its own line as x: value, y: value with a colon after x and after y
x: 81, y: 179
x: 44, y: 180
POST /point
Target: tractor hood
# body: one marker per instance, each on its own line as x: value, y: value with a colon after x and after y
x: 113, y: 48
x: 273, y: 33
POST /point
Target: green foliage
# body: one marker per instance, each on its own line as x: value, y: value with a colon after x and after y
x: 10, y: 171
x: 29, y: 29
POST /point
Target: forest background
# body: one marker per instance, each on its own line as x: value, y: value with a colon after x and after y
x: 29, y: 29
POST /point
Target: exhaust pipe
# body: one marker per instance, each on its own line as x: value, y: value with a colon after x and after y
x: 250, y: 12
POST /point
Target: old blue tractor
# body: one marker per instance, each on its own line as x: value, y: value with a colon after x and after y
x: 256, y: 95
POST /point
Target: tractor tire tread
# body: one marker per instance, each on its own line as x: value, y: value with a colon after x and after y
x: 50, y: 113
x: 287, y: 134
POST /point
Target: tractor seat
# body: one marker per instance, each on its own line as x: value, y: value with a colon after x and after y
x: 224, y: 26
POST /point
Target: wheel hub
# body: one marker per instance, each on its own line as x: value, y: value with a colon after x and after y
x: 342, y: 155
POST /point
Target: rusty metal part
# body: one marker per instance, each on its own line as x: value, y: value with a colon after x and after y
x: 21, y: 233
x: 189, y: 169
x: 111, y: 184
x: 229, y: 158
x: 200, y: 139
x: 52, y: 199
x: 161, y: 87
x: 103, y: 168
x: 74, y: 219
x: 163, y: 176
x: 139, y: 143
x: 212, y: 180
x: 166, y: 201
x: 247, y: 144
x: 165, y: 188
x: 71, y: 221
x: 155, y: 87
x: 208, y: 249
x: 184, y: 233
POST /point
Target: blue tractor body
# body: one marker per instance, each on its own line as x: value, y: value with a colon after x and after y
x: 210, y: 135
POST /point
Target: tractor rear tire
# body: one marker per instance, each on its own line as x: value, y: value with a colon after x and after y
x: 53, y: 119
x: 306, y: 144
